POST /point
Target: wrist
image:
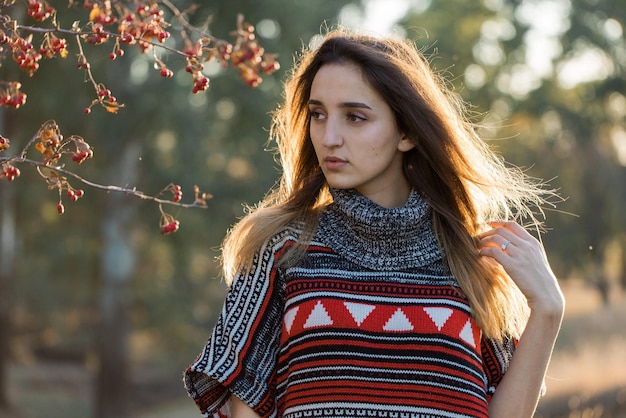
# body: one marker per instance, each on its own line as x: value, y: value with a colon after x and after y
x: 549, y: 302
x: 550, y: 311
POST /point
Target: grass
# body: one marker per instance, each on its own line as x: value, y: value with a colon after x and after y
x: 587, y: 374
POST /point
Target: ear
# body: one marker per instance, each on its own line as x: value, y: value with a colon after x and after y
x: 405, y: 144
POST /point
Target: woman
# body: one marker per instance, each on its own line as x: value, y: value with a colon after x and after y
x: 373, y: 280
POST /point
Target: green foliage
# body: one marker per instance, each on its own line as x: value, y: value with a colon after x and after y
x: 511, y: 61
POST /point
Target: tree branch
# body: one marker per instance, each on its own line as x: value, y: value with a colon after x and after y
x: 198, y: 203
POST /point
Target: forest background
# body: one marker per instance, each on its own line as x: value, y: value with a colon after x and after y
x: 101, y: 313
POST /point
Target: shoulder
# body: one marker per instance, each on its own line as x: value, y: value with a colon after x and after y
x: 284, y: 238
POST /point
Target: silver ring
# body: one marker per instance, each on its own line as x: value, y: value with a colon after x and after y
x: 505, y: 245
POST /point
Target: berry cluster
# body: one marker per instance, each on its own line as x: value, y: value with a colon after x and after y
x: 177, y: 192
x: 24, y: 54
x: 194, y: 67
x: 101, y: 14
x: 61, y: 184
x: 169, y: 226
x: 245, y: 54
x: 140, y: 23
x: 82, y: 154
x: 74, y: 195
x: 10, y: 172
x: 12, y: 96
x: 27, y: 58
x: 117, y: 52
x: 98, y: 35
x: 50, y: 142
x: 143, y: 26
x: 249, y: 57
x: 137, y: 23
x: 39, y: 11
x: 106, y: 99
x: 52, y: 145
x: 53, y: 45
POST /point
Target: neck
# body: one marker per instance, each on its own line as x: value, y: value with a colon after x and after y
x: 378, y: 237
x: 389, y: 198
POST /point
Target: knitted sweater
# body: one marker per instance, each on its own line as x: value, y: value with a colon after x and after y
x: 369, y: 323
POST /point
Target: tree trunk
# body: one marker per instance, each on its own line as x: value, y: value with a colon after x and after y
x: 622, y: 277
x: 7, y: 275
x: 7, y: 271
x: 117, y: 265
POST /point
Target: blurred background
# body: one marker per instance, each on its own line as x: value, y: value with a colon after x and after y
x: 100, y: 314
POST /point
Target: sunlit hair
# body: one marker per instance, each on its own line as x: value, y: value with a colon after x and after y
x: 450, y: 166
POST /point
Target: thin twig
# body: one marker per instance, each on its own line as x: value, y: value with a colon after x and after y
x: 81, y: 32
x: 131, y: 192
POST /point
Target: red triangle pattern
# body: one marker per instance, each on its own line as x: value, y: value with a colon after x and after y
x: 319, y: 313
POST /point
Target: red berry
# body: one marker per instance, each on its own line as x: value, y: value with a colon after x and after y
x: 166, y: 72
x: 60, y: 208
x: 127, y: 38
x: 170, y: 227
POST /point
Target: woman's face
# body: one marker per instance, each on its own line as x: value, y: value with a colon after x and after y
x: 356, y: 140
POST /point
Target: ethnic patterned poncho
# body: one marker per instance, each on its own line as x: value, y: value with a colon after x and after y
x: 369, y: 323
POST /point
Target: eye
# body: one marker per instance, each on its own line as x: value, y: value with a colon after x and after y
x: 354, y: 117
x: 316, y: 115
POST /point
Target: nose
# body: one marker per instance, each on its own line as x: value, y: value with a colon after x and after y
x: 332, y: 135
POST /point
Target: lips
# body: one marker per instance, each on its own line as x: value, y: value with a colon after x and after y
x: 334, y: 163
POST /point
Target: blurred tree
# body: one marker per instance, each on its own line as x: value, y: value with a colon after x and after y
x: 548, y: 77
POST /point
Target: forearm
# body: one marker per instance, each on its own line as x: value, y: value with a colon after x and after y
x: 519, y: 391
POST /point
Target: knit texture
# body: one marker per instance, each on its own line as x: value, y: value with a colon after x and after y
x: 370, y: 323
x: 380, y: 238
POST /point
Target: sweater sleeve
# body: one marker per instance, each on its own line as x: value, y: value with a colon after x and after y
x: 496, y: 357
x: 240, y: 357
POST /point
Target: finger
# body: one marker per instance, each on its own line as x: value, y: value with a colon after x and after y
x: 518, y: 235
x: 497, y: 242
x: 499, y: 230
x: 514, y: 227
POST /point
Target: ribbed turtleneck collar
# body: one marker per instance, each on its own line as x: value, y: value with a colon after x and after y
x: 380, y: 238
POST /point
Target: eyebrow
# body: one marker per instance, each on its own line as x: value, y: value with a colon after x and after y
x: 343, y: 104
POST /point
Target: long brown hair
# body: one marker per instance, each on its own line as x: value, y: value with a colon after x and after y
x: 450, y: 166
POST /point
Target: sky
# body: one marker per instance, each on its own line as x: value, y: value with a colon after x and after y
x: 379, y: 16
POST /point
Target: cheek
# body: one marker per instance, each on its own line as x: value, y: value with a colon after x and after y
x: 315, y: 147
x: 316, y: 136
